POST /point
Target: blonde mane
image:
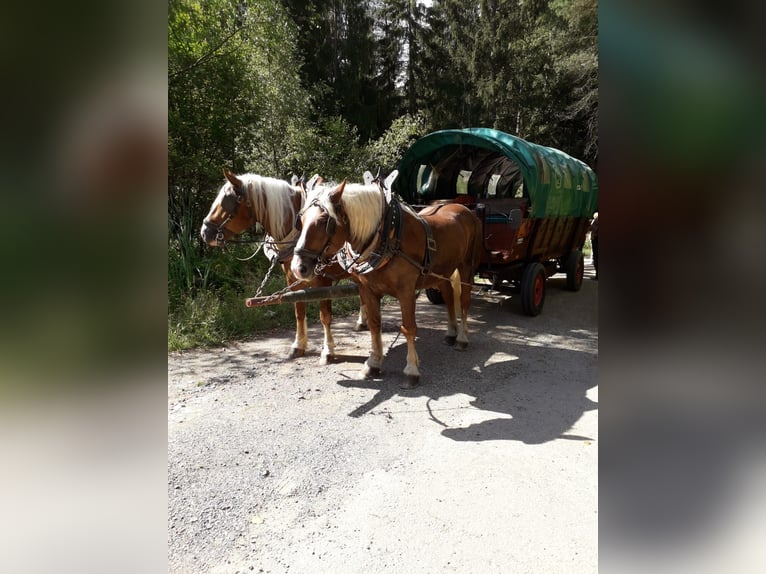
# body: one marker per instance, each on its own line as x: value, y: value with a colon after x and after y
x: 363, y: 207
x: 272, y: 201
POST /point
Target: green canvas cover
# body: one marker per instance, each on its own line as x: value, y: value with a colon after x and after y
x: 556, y: 183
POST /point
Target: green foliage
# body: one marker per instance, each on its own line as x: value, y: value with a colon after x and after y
x: 329, y: 147
x: 526, y: 68
x: 212, y: 318
x: 338, y: 51
x: 233, y: 90
x: 386, y: 151
x: 576, y: 67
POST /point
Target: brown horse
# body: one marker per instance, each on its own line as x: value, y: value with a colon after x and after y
x: 248, y: 199
x: 392, y: 250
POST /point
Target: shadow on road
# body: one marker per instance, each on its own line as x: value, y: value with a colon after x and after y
x: 533, y: 371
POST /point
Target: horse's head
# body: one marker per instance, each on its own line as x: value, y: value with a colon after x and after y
x: 322, y: 226
x: 230, y: 214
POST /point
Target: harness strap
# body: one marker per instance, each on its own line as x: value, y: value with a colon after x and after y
x: 281, y: 250
x: 430, y: 248
x: 425, y: 266
x: 382, y: 248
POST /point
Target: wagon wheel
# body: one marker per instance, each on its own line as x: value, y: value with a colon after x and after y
x: 435, y: 296
x: 574, y: 268
x: 533, y: 289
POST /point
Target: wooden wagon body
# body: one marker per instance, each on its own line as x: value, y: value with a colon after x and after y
x: 535, y: 203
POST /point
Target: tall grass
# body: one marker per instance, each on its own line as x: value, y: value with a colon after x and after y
x: 215, y: 317
x: 207, y: 292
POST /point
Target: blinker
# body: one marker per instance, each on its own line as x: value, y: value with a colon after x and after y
x: 230, y: 203
x: 330, y: 228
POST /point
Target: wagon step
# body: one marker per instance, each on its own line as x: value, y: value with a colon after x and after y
x: 305, y: 295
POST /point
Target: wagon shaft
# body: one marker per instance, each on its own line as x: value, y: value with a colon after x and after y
x: 315, y: 294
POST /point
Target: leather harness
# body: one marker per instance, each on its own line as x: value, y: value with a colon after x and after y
x: 388, y: 245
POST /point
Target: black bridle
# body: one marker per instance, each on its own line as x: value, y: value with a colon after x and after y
x: 331, y: 227
x: 229, y: 205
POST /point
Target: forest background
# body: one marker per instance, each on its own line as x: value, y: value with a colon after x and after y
x: 337, y: 87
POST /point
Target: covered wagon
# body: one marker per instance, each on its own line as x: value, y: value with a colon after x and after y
x: 535, y: 203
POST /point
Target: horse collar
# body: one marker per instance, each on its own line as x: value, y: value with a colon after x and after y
x: 384, y: 245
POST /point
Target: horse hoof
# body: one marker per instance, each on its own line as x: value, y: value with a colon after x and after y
x: 295, y: 353
x: 370, y: 372
x: 461, y: 346
x: 326, y: 360
x: 450, y: 339
x: 359, y: 327
x: 410, y: 382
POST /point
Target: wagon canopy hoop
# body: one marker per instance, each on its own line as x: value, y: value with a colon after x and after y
x: 556, y: 183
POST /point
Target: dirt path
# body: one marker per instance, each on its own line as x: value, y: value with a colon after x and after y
x: 490, y: 465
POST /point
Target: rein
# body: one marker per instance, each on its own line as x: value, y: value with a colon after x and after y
x: 244, y: 241
x: 257, y: 249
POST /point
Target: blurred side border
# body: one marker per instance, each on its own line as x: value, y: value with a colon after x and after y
x: 682, y: 465
x: 83, y: 178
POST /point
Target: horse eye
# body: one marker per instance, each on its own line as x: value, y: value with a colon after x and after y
x: 298, y: 223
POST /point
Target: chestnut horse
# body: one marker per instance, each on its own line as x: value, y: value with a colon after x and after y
x: 392, y: 250
x: 248, y: 199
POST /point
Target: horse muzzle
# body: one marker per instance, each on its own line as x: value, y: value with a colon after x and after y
x: 303, y: 267
x: 211, y: 236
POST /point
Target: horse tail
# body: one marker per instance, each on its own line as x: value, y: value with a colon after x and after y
x: 457, y: 286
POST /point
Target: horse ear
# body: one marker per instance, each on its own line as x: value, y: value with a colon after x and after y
x: 233, y: 179
x: 336, y: 193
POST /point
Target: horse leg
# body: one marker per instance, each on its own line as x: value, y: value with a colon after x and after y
x: 375, y: 360
x: 298, y: 348
x: 465, y: 302
x: 325, y: 316
x: 361, y: 322
x: 448, y: 294
x: 409, y: 329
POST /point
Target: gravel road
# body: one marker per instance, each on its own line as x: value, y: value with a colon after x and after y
x: 490, y: 465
